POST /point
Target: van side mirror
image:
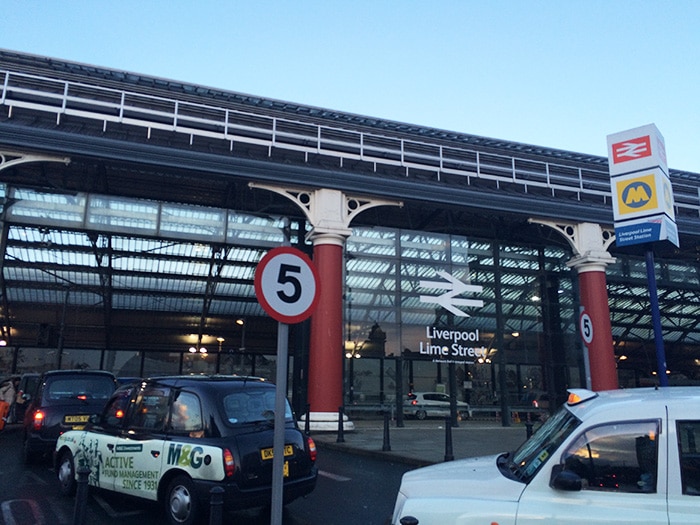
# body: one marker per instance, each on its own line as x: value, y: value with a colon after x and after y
x: 565, y: 479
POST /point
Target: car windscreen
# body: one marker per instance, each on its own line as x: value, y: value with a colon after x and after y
x: 252, y: 406
x: 77, y: 389
x: 535, y: 452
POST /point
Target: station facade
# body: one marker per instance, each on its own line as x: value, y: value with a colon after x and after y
x: 135, y: 210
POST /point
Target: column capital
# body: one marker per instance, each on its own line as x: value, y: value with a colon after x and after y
x: 329, y: 211
x: 589, y: 243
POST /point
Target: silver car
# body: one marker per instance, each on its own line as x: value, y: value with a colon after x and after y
x: 433, y: 404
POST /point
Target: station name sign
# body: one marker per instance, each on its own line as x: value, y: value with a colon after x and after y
x: 447, y: 344
x: 444, y: 345
x: 641, y: 188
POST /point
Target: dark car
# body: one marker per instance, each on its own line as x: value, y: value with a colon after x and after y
x: 63, y: 400
x: 173, y: 439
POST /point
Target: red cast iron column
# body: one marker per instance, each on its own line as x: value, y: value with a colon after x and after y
x: 325, y: 392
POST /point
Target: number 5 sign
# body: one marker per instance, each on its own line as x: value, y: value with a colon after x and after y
x: 586, y: 327
x: 286, y: 285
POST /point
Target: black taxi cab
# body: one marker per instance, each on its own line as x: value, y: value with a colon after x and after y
x: 173, y: 439
x: 62, y: 400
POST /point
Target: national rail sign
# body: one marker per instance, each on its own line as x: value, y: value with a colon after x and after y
x: 643, y: 207
x: 636, y: 149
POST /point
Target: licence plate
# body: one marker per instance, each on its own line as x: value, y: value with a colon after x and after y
x: 76, y: 420
x: 268, y: 453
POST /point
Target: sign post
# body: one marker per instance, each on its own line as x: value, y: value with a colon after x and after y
x: 287, y: 287
x: 643, y: 206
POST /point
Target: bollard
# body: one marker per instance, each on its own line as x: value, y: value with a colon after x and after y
x: 307, y: 424
x: 81, y: 495
x: 341, y: 435
x: 386, y: 446
x: 528, y: 429
x: 408, y: 520
x: 528, y: 426
x: 216, y: 505
x: 449, y: 455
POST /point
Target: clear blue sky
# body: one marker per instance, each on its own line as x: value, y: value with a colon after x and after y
x: 555, y: 73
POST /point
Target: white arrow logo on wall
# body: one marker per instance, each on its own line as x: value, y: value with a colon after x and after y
x: 449, y: 300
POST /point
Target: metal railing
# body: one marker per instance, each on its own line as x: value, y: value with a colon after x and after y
x: 508, y: 172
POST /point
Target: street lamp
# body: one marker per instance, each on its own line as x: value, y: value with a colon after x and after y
x: 241, y: 322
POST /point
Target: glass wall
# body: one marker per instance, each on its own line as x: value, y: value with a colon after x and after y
x: 488, y: 318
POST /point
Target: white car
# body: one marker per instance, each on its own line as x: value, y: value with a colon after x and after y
x: 432, y: 404
x: 616, y: 457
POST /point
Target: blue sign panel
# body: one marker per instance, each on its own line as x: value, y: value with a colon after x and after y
x: 652, y: 229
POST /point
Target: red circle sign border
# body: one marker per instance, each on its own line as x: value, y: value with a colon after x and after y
x: 271, y: 311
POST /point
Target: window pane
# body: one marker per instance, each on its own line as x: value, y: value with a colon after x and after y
x: 688, y: 442
x: 620, y: 457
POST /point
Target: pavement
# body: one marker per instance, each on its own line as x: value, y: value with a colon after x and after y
x: 426, y: 442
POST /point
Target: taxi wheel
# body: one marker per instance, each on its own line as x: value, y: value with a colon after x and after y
x: 180, y: 502
x: 66, y: 474
x: 421, y: 415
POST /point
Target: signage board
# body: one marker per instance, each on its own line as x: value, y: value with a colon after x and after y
x: 636, y: 149
x: 286, y: 285
x: 643, y: 207
x: 648, y: 229
x: 641, y: 194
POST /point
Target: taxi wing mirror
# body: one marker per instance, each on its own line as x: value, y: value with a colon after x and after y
x: 565, y: 479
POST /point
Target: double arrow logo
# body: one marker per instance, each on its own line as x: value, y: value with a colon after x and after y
x: 449, y: 300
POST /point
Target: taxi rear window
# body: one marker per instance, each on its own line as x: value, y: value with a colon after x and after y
x: 252, y: 406
x: 78, y: 389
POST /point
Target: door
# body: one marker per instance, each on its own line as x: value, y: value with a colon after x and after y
x: 623, y: 480
x: 684, y: 469
x: 140, y: 449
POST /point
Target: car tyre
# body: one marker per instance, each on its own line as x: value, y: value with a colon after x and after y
x: 421, y: 414
x: 65, y: 471
x: 181, y: 506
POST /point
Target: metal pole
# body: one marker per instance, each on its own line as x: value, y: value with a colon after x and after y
x: 656, y: 320
x: 216, y: 504
x: 81, y: 496
x: 341, y: 435
x: 278, y: 439
x: 449, y: 455
x: 386, y: 445
x: 399, y: 391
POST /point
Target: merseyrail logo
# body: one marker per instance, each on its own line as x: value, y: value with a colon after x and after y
x: 638, y: 194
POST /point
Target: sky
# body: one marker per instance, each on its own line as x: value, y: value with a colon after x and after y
x: 561, y: 74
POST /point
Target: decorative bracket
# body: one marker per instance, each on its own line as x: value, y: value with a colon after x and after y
x: 589, y: 242
x: 330, y: 212
x: 14, y: 158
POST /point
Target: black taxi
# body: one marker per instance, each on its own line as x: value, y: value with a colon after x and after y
x: 62, y: 400
x: 172, y: 439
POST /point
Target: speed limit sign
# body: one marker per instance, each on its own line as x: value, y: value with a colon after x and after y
x: 586, y: 326
x: 286, y: 285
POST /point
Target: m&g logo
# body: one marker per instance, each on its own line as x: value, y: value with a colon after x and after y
x: 187, y: 456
